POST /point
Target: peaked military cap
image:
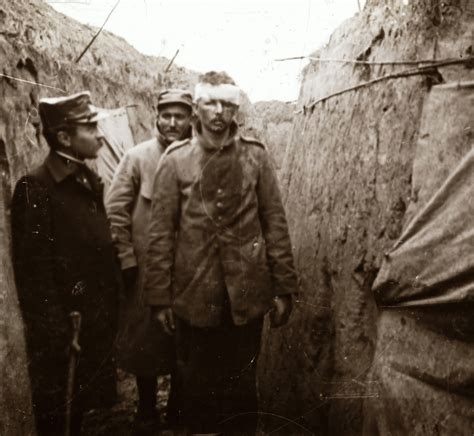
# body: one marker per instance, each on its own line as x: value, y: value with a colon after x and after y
x: 58, y: 112
x: 170, y: 96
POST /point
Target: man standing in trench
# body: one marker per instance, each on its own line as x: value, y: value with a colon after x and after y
x: 145, y: 349
x: 64, y: 261
x: 219, y: 259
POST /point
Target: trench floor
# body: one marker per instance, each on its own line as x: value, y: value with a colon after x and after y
x: 118, y: 421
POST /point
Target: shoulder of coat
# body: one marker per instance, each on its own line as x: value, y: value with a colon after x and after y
x: 35, y: 182
x: 252, y: 141
x: 176, y: 145
x: 40, y: 175
x: 143, y: 146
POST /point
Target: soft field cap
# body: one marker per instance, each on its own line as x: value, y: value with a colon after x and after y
x: 175, y: 96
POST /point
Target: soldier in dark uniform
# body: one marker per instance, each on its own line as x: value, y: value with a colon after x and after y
x: 64, y: 261
x: 219, y: 259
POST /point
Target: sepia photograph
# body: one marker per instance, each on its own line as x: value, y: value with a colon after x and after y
x: 237, y: 217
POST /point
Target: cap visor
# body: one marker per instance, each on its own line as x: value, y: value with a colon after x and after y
x: 100, y: 115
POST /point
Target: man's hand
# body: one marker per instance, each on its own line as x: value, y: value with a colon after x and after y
x: 163, y: 315
x: 129, y: 277
x: 282, y: 307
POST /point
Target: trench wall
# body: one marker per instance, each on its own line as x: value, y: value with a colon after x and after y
x: 347, y: 184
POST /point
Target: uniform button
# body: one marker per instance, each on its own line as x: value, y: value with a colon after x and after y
x: 220, y: 205
x: 220, y: 191
x: 219, y: 217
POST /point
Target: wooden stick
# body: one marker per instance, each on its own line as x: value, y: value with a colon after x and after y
x: 97, y: 34
x: 171, y: 61
x: 31, y: 82
x: 357, y: 62
x: 405, y: 73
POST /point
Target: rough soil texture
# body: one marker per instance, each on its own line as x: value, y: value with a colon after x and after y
x: 118, y: 421
x: 272, y: 122
x: 347, y: 182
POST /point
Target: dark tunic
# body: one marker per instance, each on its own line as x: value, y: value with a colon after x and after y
x: 64, y: 261
x: 217, y: 229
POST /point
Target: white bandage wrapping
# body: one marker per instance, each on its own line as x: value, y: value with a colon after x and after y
x: 225, y: 92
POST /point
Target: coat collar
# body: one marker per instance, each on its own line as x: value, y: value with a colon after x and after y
x: 233, y: 134
x: 61, y: 167
x: 164, y: 143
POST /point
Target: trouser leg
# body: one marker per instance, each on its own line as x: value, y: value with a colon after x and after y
x: 147, y: 390
x: 173, y: 406
x: 194, y: 381
x: 217, y: 376
x: 76, y: 423
x: 48, y: 425
x: 238, y: 390
x: 53, y: 421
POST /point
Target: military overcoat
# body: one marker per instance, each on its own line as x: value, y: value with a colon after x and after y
x: 144, y: 349
x: 64, y: 261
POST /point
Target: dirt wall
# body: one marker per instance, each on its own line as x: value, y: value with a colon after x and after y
x: 347, y: 182
x: 272, y: 122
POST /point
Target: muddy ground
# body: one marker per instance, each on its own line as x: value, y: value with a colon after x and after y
x: 119, y: 420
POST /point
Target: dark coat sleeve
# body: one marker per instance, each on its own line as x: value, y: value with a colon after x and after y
x: 275, y: 229
x: 33, y: 262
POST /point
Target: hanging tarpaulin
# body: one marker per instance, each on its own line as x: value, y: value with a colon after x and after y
x: 425, y: 287
x: 433, y: 261
x: 118, y: 139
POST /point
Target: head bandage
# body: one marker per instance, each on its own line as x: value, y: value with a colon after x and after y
x: 225, y: 92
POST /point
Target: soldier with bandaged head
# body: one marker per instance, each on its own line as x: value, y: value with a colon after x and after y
x: 219, y: 259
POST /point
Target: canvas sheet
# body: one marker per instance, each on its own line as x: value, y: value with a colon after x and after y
x: 422, y: 367
x: 433, y: 260
x: 118, y: 139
